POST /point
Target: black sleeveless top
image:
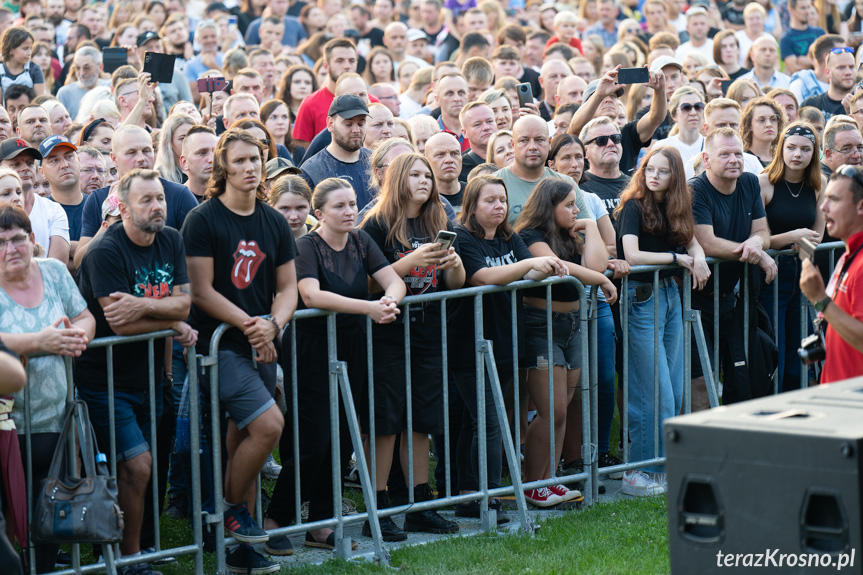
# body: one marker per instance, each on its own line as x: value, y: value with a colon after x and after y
x: 792, y: 207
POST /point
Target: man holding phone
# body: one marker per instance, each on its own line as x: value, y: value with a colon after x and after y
x: 840, y: 304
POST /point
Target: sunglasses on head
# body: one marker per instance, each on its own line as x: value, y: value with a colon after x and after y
x: 686, y: 108
x: 848, y: 171
x: 842, y: 49
x: 602, y: 141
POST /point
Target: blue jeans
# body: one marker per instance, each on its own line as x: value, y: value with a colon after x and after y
x: 669, y: 331
x: 604, y: 352
x: 176, y: 478
x: 788, y: 326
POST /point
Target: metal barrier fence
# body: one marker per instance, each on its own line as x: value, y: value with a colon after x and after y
x: 339, y: 386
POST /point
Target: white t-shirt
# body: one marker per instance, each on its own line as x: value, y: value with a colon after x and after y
x: 409, y: 107
x: 751, y: 164
x: 48, y: 220
x: 596, y: 206
x: 687, y: 152
x: 705, y: 50
x: 745, y: 44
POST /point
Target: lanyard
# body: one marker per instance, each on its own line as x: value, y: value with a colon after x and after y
x: 844, y: 270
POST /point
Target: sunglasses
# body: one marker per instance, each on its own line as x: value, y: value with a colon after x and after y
x: 842, y: 49
x: 847, y: 171
x: 686, y: 108
x: 602, y: 141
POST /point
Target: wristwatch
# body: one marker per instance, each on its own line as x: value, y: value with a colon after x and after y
x: 822, y: 304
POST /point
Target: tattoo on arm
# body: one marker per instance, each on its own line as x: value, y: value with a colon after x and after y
x: 184, y: 288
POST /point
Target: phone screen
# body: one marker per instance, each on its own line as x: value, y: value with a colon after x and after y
x: 445, y: 239
x: 633, y: 76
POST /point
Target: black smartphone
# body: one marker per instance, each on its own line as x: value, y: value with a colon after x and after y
x: 352, y: 34
x: 160, y: 67
x: 525, y: 94
x: 445, y: 239
x: 643, y: 293
x: 806, y: 250
x: 212, y: 84
x: 633, y: 76
x: 113, y: 58
x: 725, y: 85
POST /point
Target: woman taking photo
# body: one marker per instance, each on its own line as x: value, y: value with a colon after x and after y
x: 654, y: 226
x: 174, y: 131
x: 492, y: 254
x: 333, y: 266
x: 556, y: 236
x: 42, y: 312
x: 761, y: 125
x: 404, y: 223
x: 687, y: 110
x: 292, y: 197
x: 791, y: 189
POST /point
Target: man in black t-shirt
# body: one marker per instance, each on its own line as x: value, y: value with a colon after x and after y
x: 601, y: 99
x: 240, y: 258
x: 134, y: 281
x: 444, y: 155
x: 842, y: 76
x: 731, y: 224
x: 602, y: 153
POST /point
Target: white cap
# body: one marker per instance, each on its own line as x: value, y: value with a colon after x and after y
x: 416, y: 34
x: 664, y: 61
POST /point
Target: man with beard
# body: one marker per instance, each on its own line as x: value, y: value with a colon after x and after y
x: 134, y: 281
x: 196, y: 160
x: 55, y: 13
x: 345, y: 157
x: 530, y: 141
x: 61, y: 168
x: 33, y: 125
x: 49, y: 221
x: 478, y: 126
x: 842, y: 75
x: 87, y: 64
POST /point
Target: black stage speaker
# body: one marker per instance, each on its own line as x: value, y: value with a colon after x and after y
x: 770, y: 484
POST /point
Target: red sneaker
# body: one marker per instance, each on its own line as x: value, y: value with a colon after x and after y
x: 542, y: 497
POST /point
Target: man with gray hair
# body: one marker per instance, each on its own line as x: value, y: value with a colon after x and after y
x: 209, y: 58
x: 87, y: 64
x: 603, y: 150
x: 240, y: 106
x: 842, y: 144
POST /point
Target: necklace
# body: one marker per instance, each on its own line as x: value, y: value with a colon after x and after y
x: 790, y: 191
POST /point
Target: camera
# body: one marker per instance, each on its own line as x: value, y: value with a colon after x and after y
x: 812, y: 348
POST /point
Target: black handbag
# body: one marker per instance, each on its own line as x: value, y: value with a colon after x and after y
x: 71, y: 509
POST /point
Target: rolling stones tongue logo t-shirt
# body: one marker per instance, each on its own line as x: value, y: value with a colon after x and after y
x: 246, y: 251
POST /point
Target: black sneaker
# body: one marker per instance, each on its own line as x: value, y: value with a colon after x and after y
x: 177, y: 507
x: 240, y: 525
x: 609, y: 460
x: 63, y: 559
x: 390, y: 532
x: 429, y: 521
x: 279, y: 545
x: 208, y: 534
x: 471, y: 509
x: 244, y: 559
x: 137, y: 569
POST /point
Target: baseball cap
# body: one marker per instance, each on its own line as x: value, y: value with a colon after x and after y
x: 416, y: 34
x: 348, y: 106
x: 591, y: 88
x: 111, y: 206
x: 145, y: 37
x: 664, y: 61
x: 13, y: 147
x: 48, y: 144
x: 278, y: 165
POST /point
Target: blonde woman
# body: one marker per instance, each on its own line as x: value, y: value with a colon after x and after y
x: 168, y: 157
x: 687, y: 110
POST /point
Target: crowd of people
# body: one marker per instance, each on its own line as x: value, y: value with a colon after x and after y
x: 324, y: 154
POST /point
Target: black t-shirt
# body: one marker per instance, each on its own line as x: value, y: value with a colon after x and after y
x: 608, y: 190
x: 425, y: 318
x: 246, y: 250
x: 826, y: 104
x: 738, y: 73
x: 469, y: 160
x: 476, y: 254
x: 532, y: 77
x: 456, y: 199
x: 662, y: 130
x: 630, y: 224
x: 559, y: 292
x: 75, y: 216
x: 632, y: 145
x: 116, y: 264
x: 730, y: 215
x: 343, y: 272
x: 375, y: 36
x: 732, y: 14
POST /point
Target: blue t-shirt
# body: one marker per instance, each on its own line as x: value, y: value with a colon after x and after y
x: 179, y: 199
x: 73, y: 214
x: 797, y: 42
x: 324, y: 165
x: 195, y: 68
x: 294, y: 32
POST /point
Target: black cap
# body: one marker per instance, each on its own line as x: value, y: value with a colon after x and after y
x: 217, y: 7
x: 348, y: 106
x: 145, y: 37
x: 14, y: 147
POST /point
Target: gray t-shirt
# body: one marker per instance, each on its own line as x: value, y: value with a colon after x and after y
x: 47, y: 374
x: 71, y: 95
x: 518, y: 190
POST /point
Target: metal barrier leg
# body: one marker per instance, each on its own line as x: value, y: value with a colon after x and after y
x: 704, y: 355
x: 195, y: 453
x: 340, y: 368
x: 508, y: 446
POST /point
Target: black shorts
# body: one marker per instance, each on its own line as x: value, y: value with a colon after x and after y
x: 391, y: 389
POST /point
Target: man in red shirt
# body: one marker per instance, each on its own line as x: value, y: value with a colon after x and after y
x: 841, y: 303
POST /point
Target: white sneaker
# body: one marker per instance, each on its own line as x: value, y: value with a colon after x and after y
x: 271, y: 469
x: 640, y: 483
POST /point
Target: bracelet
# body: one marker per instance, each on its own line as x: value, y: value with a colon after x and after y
x: 275, y: 324
x: 674, y: 258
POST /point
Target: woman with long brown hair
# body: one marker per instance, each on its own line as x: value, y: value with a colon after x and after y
x: 404, y: 223
x: 761, y: 125
x: 792, y: 187
x: 654, y: 227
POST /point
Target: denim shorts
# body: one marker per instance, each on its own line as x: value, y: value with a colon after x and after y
x: 131, y: 419
x: 565, y: 339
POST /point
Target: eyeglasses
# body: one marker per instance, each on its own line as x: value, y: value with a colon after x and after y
x: 650, y: 170
x: 842, y: 49
x: 99, y: 171
x: 602, y: 141
x: 16, y: 241
x: 686, y: 108
x: 849, y: 150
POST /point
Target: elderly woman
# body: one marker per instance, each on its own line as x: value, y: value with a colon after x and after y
x: 42, y: 312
